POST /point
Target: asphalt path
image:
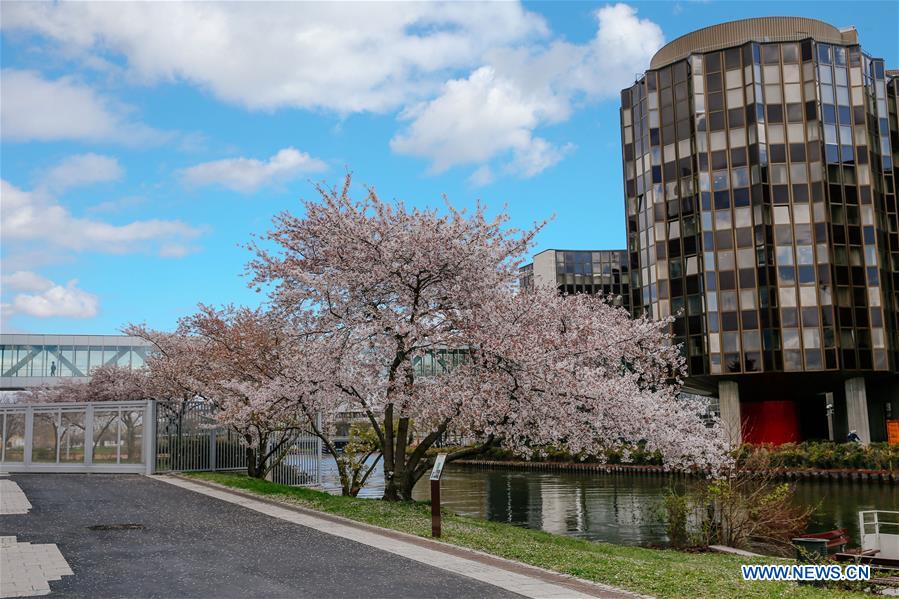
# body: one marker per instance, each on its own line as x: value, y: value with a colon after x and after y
x: 182, y: 544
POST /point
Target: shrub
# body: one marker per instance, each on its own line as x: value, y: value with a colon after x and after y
x: 745, y: 508
x: 677, y: 507
x: 823, y: 455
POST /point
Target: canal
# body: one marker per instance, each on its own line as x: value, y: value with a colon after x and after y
x: 617, y: 508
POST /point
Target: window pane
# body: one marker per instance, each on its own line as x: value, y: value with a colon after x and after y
x: 71, y: 443
x: 124, y: 357
x: 106, y: 437
x: 132, y: 436
x: 82, y: 360
x: 14, y: 438
x: 44, y: 440
x: 68, y: 357
x: 52, y: 361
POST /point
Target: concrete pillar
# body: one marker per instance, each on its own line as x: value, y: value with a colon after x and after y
x: 857, y: 409
x: 829, y: 407
x: 729, y: 403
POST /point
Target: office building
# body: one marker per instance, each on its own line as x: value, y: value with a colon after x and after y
x: 759, y: 177
x: 580, y: 271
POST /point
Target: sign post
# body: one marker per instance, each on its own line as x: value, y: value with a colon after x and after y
x: 435, y: 494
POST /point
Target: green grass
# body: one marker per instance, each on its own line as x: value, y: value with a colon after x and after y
x: 663, y: 573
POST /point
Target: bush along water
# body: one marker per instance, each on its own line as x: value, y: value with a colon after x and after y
x: 824, y: 455
x: 746, y: 508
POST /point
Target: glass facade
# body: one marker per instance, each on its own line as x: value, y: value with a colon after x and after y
x: 67, y: 356
x: 584, y: 271
x: 438, y: 361
x: 761, y: 207
x: 72, y: 435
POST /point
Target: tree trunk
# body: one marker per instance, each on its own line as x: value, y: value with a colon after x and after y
x: 391, y: 492
x: 253, y: 470
x: 417, y: 464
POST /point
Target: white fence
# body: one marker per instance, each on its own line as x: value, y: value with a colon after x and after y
x: 188, y: 439
x: 77, y: 437
x: 139, y: 437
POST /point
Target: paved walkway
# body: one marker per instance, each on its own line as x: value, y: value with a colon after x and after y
x: 512, y: 576
x: 136, y: 536
x: 12, y: 499
x: 26, y: 570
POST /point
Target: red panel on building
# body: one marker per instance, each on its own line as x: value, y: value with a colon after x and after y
x: 774, y: 421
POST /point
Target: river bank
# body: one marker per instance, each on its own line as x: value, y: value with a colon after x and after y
x: 657, y: 572
x: 852, y: 474
x: 621, y: 507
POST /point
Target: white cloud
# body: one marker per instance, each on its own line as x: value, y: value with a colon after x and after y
x: 53, y: 300
x: 81, y: 169
x: 341, y: 57
x: 475, y: 119
x: 481, y: 177
x: 35, y: 217
x: 495, y: 111
x: 36, y: 109
x: 249, y: 174
x: 26, y: 281
x: 474, y: 81
x: 176, y: 250
x: 117, y: 205
x: 481, y: 117
x: 536, y: 157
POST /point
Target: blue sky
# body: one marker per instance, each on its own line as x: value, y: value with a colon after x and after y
x: 141, y: 144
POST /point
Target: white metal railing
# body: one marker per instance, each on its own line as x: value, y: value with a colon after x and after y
x: 139, y: 437
x: 188, y: 439
x: 77, y: 437
x: 878, y: 533
x: 300, y: 462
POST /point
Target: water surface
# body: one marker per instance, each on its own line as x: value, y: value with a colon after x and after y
x: 619, y: 508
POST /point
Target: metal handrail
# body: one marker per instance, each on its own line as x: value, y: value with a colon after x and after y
x: 69, y: 404
x: 864, y: 522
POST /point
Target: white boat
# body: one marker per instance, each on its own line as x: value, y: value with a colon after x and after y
x: 880, y: 534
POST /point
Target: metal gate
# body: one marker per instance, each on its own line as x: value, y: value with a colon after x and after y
x: 188, y: 439
x: 77, y: 437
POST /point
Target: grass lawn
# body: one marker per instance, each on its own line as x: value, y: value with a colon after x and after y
x: 663, y: 573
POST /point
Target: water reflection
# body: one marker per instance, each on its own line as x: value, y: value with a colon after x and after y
x: 598, y: 507
x: 618, y: 508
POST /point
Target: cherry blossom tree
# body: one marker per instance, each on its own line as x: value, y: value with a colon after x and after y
x: 171, y: 369
x: 248, y: 364
x: 579, y: 373
x: 402, y: 284
x: 273, y: 374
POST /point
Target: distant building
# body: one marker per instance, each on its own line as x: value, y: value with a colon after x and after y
x: 760, y: 164
x: 35, y: 360
x: 580, y: 271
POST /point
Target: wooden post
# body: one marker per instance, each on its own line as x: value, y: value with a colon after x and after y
x: 436, y: 472
x: 435, y: 508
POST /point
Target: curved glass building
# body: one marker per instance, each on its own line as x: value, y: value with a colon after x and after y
x: 760, y: 190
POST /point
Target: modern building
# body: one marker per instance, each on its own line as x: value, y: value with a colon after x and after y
x: 580, y: 271
x: 34, y: 360
x: 760, y: 163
